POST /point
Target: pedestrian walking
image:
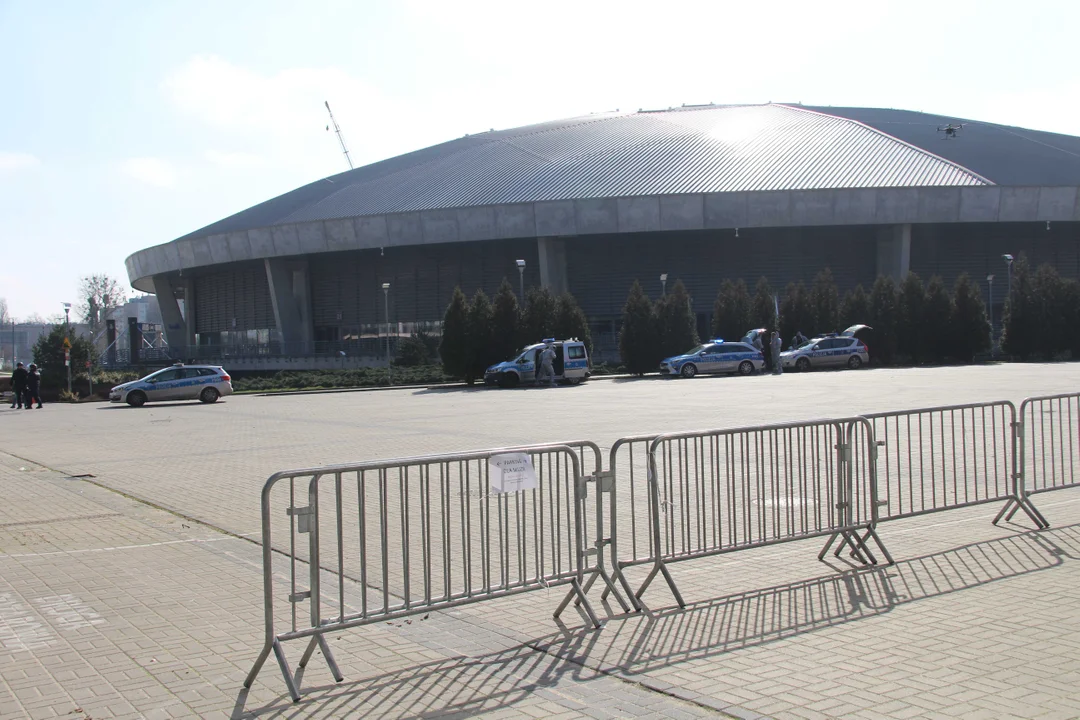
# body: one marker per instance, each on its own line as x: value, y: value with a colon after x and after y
x: 547, y: 367
x: 778, y: 368
x: 18, y: 385
x: 33, y: 387
x: 799, y: 338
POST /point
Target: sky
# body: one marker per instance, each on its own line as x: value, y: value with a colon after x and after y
x: 128, y: 124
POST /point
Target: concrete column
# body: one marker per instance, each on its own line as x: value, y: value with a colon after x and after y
x: 552, y: 252
x: 290, y: 294
x: 189, y: 309
x: 894, y: 251
x: 176, y: 330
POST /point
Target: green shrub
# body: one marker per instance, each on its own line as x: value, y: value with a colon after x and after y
x: 638, y: 335
x: 452, y: 349
x: 675, y: 324
x: 731, y: 311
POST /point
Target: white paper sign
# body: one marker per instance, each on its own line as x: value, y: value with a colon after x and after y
x: 511, y: 472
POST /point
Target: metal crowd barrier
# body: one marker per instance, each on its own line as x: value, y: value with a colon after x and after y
x: 941, y: 458
x: 726, y: 490
x: 1048, y: 449
x: 399, y: 537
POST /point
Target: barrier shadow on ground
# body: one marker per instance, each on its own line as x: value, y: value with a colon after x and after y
x: 719, y: 625
x: 633, y: 645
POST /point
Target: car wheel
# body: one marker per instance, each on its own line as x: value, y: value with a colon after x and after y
x: 209, y: 395
x: 574, y: 380
x: 746, y: 368
x: 689, y: 370
x: 136, y: 398
x: 855, y: 362
x: 802, y: 364
x: 509, y: 380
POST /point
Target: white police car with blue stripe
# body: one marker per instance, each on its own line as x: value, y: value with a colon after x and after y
x: 716, y: 356
x: 180, y: 382
x: 571, y: 364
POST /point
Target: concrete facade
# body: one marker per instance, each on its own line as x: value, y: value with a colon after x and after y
x: 563, y: 218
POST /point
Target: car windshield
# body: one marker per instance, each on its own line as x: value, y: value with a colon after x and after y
x: 154, y: 374
x: 808, y: 343
x: 698, y: 349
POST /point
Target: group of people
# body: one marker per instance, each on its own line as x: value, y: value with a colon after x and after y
x: 27, y: 386
x: 773, y: 349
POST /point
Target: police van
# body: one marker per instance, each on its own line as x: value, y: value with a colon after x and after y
x: 572, y: 364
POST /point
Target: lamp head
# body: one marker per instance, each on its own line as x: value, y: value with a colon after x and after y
x: 521, y: 264
x: 1007, y: 258
x: 386, y: 286
x: 663, y: 277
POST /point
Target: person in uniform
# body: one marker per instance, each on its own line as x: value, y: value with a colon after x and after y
x: 18, y: 386
x: 33, y: 387
x: 547, y: 367
x: 775, y: 343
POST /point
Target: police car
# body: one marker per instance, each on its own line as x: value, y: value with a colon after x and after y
x: 571, y: 364
x: 179, y: 382
x: 830, y: 350
x: 715, y: 357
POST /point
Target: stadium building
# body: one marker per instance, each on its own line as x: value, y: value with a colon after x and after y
x: 592, y: 203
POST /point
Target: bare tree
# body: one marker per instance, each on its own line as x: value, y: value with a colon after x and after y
x: 5, y: 319
x: 99, y: 298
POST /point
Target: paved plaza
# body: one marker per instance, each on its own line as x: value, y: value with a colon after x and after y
x: 131, y: 585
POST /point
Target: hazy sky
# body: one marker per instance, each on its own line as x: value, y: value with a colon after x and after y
x: 128, y: 124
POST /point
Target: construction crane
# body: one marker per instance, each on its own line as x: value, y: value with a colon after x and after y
x: 337, y: 129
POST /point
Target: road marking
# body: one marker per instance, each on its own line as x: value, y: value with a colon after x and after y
x: 241, y: 536
x: 68, y: 611
x: 19, y: 629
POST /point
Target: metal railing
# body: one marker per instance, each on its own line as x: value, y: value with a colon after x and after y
x: 1047, y: 452
x: 941, y: 458
x: 399, y: 537
x: 725, y: 490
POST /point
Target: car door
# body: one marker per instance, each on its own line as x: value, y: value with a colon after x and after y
x: 723, y: 356
x: 819, y: 353
x: 707, y: 359
x: 737, y: 354
x: 190, y: 383
x: 162, y: 385
x: 837, y: 351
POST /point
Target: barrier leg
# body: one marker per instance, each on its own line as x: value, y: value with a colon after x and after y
x: 660, y: 567
x: 609, y: 588
x: 290, y: 683
x: 583, y: 601
x: 829, y: 544
x: 1014, y: 505
x: 320, y: 641
x: 871, y: 532
x: 263, y: 654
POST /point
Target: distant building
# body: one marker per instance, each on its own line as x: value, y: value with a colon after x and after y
x: 17, y: 341
x: 590, y: 204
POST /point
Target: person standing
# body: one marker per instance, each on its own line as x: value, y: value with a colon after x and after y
x: 547, y: 368
x: 33, y: 387
x: 778, y: 368
x: 18, y: 385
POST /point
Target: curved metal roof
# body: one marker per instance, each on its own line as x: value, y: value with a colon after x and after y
x: 701, y: 149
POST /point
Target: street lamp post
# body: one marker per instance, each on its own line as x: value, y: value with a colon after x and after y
x: 1008, y: 263
x: 521, y: 280
x: 67, y: 341
x: 663, y: 284
x: 990, y: 282
x: 386, y: 311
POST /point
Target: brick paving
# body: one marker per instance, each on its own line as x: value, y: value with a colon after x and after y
x: 137, y: 592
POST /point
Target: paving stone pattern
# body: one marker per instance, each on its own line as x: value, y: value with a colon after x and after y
x: 136, y: 592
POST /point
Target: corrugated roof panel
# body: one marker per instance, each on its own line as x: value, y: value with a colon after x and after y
x: 683, y: 150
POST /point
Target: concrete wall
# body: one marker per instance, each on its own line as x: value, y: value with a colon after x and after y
x: 603, y: 216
